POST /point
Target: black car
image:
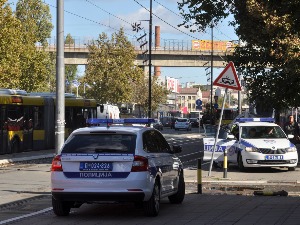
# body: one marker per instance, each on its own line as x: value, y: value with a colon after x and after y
x: 206, y: 120
x: 173, y: 120
x: 194, y: 122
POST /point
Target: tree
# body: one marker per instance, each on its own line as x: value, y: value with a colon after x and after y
x: 111, y: 71
x: 201, y: 87
x: 159, y: 93
x: 36, y: 18
x: 10, y: 48
x: 271, y: 57
x: 35, y: 27
x: 70, y: 70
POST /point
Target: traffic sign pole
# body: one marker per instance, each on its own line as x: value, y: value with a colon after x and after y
x: 216, y: 139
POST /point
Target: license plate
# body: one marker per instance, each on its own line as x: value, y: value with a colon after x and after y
x: 274, y: 157
x: 96, y: 166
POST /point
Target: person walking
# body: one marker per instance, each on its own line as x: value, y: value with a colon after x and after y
x: 291, y: 127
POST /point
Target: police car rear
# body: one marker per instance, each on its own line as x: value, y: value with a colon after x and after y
x: 116, y: 163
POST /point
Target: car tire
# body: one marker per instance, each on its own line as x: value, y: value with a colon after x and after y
x: 179, y: 196
x: 291, y: 168
x: 241, y: 164
x: 151, y: 207
x: 61, y: 208
x: 162, y: 128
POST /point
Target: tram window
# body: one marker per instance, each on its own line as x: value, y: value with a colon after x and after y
x: 38, y: 118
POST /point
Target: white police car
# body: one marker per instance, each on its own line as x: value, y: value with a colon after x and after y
x: 116, y: 163
x: 259, y: 143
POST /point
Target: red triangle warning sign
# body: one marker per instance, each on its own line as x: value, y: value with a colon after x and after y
x: 228, y: 78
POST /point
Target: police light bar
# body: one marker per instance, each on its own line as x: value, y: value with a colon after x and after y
x: 255, y: 119
x: 118, y: 121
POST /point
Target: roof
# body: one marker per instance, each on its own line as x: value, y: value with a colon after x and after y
x: 118, y: 129
x: 205, y: 94
x: 188, y: 90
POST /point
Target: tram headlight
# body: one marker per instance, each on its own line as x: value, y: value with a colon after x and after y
x: 251, y: 149
x: 292, y: 149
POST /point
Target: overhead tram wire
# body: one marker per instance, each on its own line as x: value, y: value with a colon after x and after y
x: 89, y: 20
x: 172, y: 25
x: 223, y: 33
x: 108, y: 12
x: 166, y: 21
x: 169, y: 9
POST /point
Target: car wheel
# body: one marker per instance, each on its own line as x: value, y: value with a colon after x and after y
x: 179, y: 196
x: 241, y: 164
x: 162, y: 128
x: 291, y: 168
x: 151, y: 207
x: 61, y: 208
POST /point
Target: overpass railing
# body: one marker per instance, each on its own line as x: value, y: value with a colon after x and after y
x: 165, y: 44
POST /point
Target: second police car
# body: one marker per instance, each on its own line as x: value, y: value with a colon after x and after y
x: 116, y: 163
x: 258, y: 142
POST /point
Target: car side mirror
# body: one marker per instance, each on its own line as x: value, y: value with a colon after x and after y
x: 177, y: 149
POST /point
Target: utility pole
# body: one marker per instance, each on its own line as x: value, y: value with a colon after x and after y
x: 60, y: 75
x: 150, y: 41
x: 211, y: 74
x: 239, y: 93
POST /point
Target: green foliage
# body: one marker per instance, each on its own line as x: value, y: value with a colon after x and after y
x: 70, y: 70
x: 20, y: 34
x: 159, y: 93
x: 36, y: 18
x: 111, y: 71
x: 201, y: 87
x: 10, y: 48
x: 270, y: 61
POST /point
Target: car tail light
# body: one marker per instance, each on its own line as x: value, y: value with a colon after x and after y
x: 175, y: 122
x: 56, y: 164
x: 187, y: 123
x: 139, y: 164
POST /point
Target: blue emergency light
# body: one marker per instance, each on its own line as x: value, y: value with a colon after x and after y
x: 119, y: 121
x: 255, y: 119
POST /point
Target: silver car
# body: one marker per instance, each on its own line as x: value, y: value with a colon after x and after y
x: 183, y: 123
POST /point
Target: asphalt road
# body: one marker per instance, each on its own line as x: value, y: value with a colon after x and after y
x: 25, y: 196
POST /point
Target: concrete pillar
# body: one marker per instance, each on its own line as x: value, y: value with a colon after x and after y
x: 157, y: 69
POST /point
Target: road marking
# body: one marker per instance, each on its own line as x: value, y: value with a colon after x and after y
x: 189, y: 154
x: 27, y: 215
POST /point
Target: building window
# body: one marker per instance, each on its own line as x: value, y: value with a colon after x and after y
x: 193, y: 97
x: 194, y: 106
x: 189, y: 97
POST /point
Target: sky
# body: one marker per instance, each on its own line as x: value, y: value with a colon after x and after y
x: 86, y: 19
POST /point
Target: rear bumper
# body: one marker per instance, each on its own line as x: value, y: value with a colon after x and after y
x: 103, y: 196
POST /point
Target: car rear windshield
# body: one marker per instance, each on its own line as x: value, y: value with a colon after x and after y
x: 101, y: 143
x: 181, y: 120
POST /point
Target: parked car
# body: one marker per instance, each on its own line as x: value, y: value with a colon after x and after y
x: 119, y: 164
x: 183, y: 123
x: 194, y: 122
x: 158, y: 125
x: 173, y: 120
x: 206, y: 120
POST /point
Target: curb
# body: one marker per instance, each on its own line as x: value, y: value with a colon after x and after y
x: 4, y: 161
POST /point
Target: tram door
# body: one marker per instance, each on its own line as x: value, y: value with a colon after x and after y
x: 3, y: 130
x: 28, y: 129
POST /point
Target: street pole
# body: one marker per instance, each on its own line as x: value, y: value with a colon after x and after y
x: 60, y: 74
x: 239, y: 93
x: 211, y: 74
x: 217, y: 134
x: 150, y: 41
